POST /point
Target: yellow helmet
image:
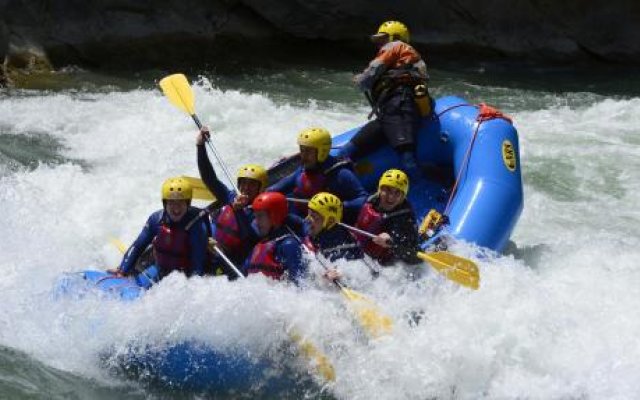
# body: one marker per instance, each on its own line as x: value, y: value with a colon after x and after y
x: 255, y: 172
x: 327, y: 205
x: 319, y: 139
x: 396, y: 179
x: 176, y: 189
x: 396, y: 30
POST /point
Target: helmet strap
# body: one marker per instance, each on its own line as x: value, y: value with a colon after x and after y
x: 331, y: 221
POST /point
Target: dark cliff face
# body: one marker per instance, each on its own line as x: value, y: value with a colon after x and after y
x: 127, y: 34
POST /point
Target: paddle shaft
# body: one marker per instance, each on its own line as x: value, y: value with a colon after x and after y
x: 468, y: 268
x: 323, y: 365
x: 229, y: 262
x: 200, y: 215
x: 374, y: 109
x: 360, y: 231
x: 336, y: 281
x: 379, y: 322
x: 294, y: 200
x: 177, y: 89
x: 216, y: 154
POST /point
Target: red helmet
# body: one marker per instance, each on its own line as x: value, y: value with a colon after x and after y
x: 275, y: 204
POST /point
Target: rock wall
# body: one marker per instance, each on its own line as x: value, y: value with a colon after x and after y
x: 133, y: 34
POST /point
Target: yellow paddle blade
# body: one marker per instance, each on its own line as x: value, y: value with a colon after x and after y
x: 456, y: 268
x: 371, y: 318
x: 119, y: 244
x: 319, y: 360
x: 178, y: 91
x: 200, y: 190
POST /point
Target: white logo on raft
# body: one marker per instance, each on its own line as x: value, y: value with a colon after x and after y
x: 508, y: 155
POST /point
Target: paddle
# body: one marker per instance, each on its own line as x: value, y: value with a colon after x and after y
x: 177, y: 89
x: 367, y: 312
x: 200, y: 190
x: 119, y: 244
x: 308, y: 349
x: 456, y: 268
x: 283, y: 168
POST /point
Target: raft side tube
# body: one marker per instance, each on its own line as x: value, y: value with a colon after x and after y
x: 489, y: 198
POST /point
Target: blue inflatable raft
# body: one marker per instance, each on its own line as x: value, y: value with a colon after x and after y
x: 184, y: 365
x: 471, y: 172
x: 466, y: 150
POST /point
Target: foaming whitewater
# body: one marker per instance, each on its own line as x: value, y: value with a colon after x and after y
x: 554, y: 318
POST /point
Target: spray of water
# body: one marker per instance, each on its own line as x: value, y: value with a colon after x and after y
x: 554, y: 318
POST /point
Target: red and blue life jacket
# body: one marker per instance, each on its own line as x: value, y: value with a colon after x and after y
x: 310, y: 183
x: 172, y: 249
x: 263, y: 259
x: 227, y: 230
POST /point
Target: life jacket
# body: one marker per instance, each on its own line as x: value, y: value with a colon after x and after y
x: 263, y: 259
x: 227, y: 230
x: 373, y: 222
x: 404, y: 67
x: 310, y: 183
x: 172, y: 249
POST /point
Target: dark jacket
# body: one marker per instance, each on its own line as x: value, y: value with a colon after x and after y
x: 402, y: 227
x: 336, y: 243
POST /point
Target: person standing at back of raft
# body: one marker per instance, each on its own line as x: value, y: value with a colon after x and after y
x: 395, y: 83
x: 388, y: 215
x: 321, y: 172
x: 177, y: 232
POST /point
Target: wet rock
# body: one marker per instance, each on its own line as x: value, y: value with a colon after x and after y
x: 4, y: 47
x: 144, y: 33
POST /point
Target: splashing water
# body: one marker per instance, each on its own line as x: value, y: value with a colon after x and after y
x: 554, y: 318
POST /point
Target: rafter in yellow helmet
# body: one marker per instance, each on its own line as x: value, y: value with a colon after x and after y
x: 319, y: 139
x: 256, y: 172
x: 327, y: 205
x: 395, y: 29
x: 395, y: 178
x: 176, y: 189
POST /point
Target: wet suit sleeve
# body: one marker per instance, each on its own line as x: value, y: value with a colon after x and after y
x: 404, y: 235
x: 352, y: 193
x: 140, y: 244
x: 286, y: 184
x: 370, y: 75
x: 209, y: 177
x: 289, y: 254
x: 386, y: 57
x: 198, y: 239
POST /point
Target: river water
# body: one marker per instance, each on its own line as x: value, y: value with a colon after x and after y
x: 556, y: 317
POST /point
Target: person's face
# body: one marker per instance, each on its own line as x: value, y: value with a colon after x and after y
x: 176, y: 209
x: 308, y: 156
x: 380, y: 40
x: 263, y: 222
x: 315, y: 222
x: 390, y: 197
x: 249, y: 187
